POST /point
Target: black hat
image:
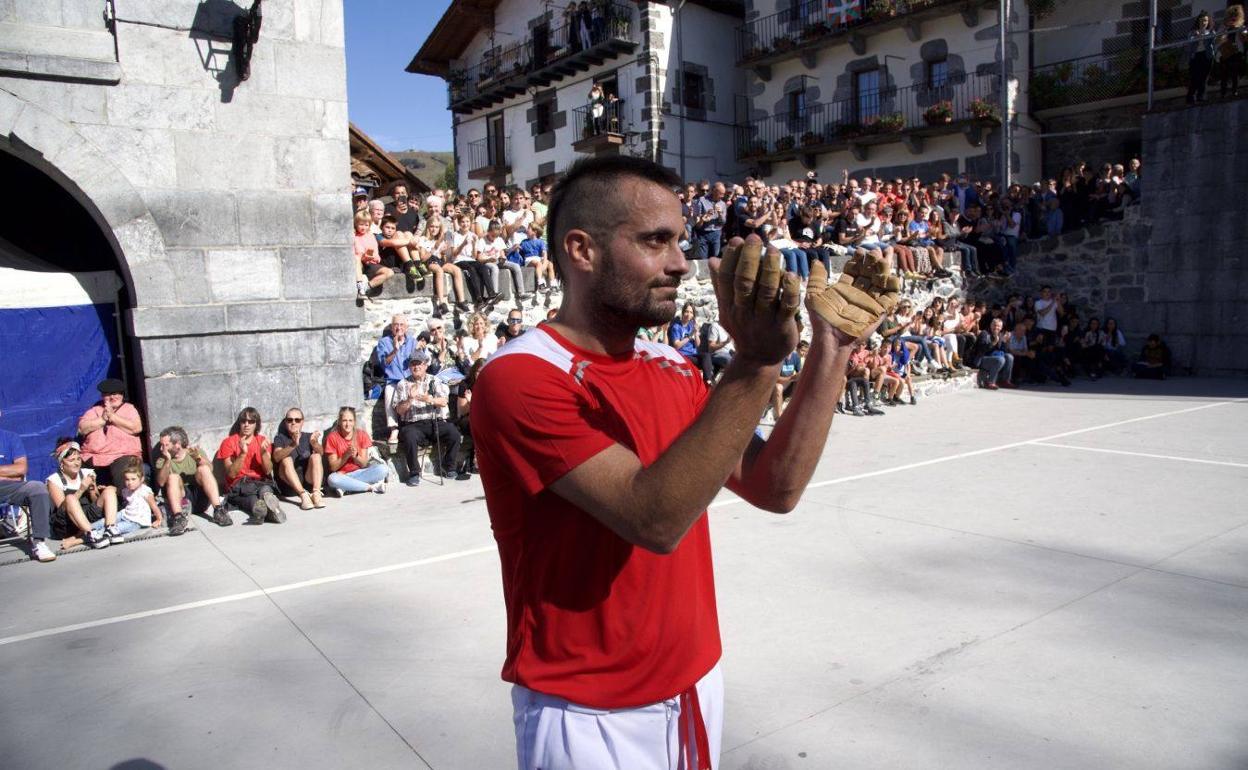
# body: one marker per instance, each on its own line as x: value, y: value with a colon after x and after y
x: 111, y: 385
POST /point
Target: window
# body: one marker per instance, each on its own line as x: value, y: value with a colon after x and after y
x: 797, y: 103
x: 543, y: 115
x: 938, y: 73
x: 867, y: 94
x: 693, y: 91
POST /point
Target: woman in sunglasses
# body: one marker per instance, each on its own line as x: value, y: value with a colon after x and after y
x: 299, y: 459
x: 248, y: 460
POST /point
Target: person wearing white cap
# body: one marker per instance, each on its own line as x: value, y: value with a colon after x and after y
x: 77, y: 500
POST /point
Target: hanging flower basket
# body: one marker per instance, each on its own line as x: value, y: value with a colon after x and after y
x: 940, y: 113
x: 985, y: 111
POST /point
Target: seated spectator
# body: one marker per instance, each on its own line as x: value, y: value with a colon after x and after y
x: 477, y: 276
x: 376, y: 210
x: 511, y: 328
x: 136, y: 505
x: 110, y: 432
x: 491, y: 251
x: 16, y: 490
x: 77, y: 501
x: 899, y: 368
x: 184, y: 474
x: 1115, y: 344
x: 369, y: 272
x: 461, y: 399
x: 248, y: 460
x: 421, y: 402
x: 1017, y: 345
x: 790, y: 370
x: 996, y: 363
x: 532, y: 251
x: 682, y: 333
x: 440, y: 348
x: 299, y: 459
x: 346, y: 455
x: 714, y: 350
x: 1154, y: 361
x: 398, y: 252
x: 887, y: 383
x: 1092, y: 349
x: 857, y: 377
x: 434, y: 247
x: 405, y: 215
x: 391, y: 354
x: 477, y: 344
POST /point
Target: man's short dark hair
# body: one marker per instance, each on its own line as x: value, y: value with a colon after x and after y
x: 582, y: 198
x: 389, y: 220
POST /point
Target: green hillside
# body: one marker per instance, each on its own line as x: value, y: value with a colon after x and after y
x: 427, y: 166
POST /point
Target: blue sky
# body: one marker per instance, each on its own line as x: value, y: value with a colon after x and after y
x: 399, y: 110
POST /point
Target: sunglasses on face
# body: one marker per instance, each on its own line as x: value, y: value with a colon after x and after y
x: 515, y: 320
x: 247, y: 421
x: 294, y: 419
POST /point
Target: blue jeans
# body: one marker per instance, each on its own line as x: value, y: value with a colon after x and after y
x: 996, y: 366
x: 358, y: 480
x: 708, y: 243
x: 795, y: 262
x: 123, y: 526
x: 1010, y: 249
x: 970, y: 265
x: 925, y: 348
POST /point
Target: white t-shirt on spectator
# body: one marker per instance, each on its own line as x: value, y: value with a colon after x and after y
x: 489, y: 344
x: 482, y: 223
x: 457, y: 238
x: 136, y: 508
x: 870, y: 227
x: 865, y: 197
x: 1046, y: 314
x: 431, y: 244
x: 1014, y: 224
x: 523, y: 216
x: 70, y: 485
x: 717, y: 334
x: 492, y: 249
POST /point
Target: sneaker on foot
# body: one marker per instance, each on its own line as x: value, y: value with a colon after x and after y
x: 258, y: 511
x: 42, y: 552
x: 413, y: 480
x: 177, y: 523
x: 380, y: 487
x: 220, y: 516
x: 96, y: 539
x: 913, y: 402
x: 274, y: 507
x: 858, y: 412
x: 872, y: 411
x: 114, y: 535
x: 361, y: 288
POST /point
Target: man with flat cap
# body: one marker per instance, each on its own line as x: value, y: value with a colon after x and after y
x: 110, y: 431
x: 600, y: 452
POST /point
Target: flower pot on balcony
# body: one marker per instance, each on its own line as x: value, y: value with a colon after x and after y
x: 810, y: 138
x: 785, y: 44
x: 940, y: 113
x: 784, y: 143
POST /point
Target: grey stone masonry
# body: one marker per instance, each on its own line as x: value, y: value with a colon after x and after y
x: 227, y: 201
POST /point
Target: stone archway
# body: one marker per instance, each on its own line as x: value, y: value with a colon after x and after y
x: 85, y: 171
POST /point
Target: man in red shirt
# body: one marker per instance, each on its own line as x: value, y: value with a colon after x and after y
x: 599, y: 454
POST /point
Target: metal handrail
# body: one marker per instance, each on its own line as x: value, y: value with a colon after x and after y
x: 815, y: 19
x: 1102, y: 76
x: 881, y: 112
x: 485, y: 153
x: 610, y: 120
x: 610, y: 21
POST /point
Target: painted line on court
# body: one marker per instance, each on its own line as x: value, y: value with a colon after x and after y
x: 492, y: 548
x: 242, y: 596
x: 1140, y: 454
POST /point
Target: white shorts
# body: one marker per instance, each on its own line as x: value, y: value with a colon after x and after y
x: 531, y: 261
x: 553, y: 734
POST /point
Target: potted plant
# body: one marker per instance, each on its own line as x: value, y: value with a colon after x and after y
x: 891, y: 123
x: 756, y: 148
x: 939, y: 113
x: 879, y: 9
x: 818, y: 29
x: 849, y: 130
x: 984, y: 110
x: 810, y: 138
x: 784, y: 143
x: 784, y: 44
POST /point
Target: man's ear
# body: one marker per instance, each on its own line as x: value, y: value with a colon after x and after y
x: 581, y: 251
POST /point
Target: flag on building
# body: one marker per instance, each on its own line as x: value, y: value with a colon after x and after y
x: 844, y: 12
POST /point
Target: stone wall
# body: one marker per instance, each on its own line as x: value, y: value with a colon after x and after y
x: 226, y: 201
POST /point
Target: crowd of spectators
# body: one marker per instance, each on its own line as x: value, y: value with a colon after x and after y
x: 1217, y: 53
x: 103, y: 491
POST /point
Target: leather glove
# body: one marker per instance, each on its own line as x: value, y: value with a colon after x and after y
x: 867, y: 290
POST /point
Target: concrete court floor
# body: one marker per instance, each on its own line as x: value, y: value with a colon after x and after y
x: 1004, y: 580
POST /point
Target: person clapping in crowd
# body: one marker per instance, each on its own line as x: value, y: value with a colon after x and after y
x: 248, y: 460
x: 421, y: 402
x: 298, y: 458
x: 110, y: 432
x: 77, y: 500
x: 347, y: 457
x: 184, y: 473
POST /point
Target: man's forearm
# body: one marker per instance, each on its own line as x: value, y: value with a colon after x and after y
x: 676, y: 489
x: 775, y: 478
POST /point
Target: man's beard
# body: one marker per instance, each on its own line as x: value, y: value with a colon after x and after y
x: 621, y: 303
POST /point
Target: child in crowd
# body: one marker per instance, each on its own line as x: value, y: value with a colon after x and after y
x: 369, y: 272
x: 136, y: 503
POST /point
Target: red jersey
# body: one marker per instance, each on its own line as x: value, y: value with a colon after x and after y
x: 591, y: 618
x: 337, y: 444
x: 253, y: 466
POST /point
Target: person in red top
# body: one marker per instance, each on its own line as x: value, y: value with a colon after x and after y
x: 248, y: 460
x: 599, y: 454
x: 110, y: 432
x: 346, y: 454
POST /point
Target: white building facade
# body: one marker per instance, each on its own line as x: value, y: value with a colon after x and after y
x: 520, y: 74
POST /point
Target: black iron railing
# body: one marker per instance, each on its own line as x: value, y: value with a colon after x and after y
x: 596, y: 120
x: 491, y: 152
x: 874, y: 115
x: 812, y: 20
x: 608, y: 21
x: 1103, y: 76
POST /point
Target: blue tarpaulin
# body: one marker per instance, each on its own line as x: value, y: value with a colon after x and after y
x: 58, y: 338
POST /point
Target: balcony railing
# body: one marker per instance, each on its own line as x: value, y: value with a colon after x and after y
x: 489, y: 157
x: 598, y: 126
x: 539, y: 60
x: 812, y: 22
x: 1103, y: 76
x: 874, y: 117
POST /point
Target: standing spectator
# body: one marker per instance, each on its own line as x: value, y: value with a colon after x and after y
x: 421, y: 402
x: 298, y: 457
x: 110, y: 431
x: 16, y: 490
x: 1231, y: 43
x: 248, y: 461
x: 710, y: 214
x: 136, y: 505
x: 185, y: 475
x: 1200, y: 52
x: 346, y: 455
x: 391, y: 354
x: 1048, y: 308
x: 77, y: 501
x: 682, y: 333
